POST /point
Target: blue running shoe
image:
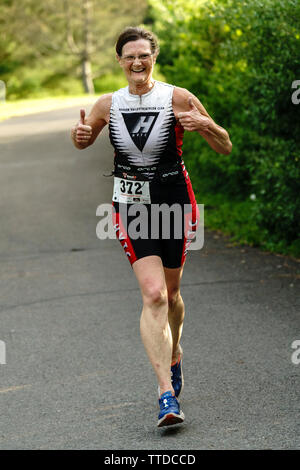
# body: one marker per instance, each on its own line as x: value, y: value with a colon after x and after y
x: 169, y: 410
x: 177, y: 377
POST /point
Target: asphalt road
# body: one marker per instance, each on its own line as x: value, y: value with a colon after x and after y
x: 76, y: 374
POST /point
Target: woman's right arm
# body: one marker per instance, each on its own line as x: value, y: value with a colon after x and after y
x: 85, y: 132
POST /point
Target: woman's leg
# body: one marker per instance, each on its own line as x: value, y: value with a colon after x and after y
x: 155, y: 330
x: 175, y: 308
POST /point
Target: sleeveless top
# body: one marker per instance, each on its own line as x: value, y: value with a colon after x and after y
x: 143, y: 129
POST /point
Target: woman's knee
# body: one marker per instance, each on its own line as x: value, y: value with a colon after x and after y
x: 154, y: 294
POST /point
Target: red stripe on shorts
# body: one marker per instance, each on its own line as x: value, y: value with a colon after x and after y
x: 123, y: 236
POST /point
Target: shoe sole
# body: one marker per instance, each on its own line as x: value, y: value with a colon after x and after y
x: 170, y: 419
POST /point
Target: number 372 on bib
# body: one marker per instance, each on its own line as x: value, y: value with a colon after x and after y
x: 131, y: 192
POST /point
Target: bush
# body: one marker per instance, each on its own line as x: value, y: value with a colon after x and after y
x: 240, y: 59
x: 109, y: 83
x: 275, y: 182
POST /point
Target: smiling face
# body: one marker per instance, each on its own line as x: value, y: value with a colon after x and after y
x: 137, y: 62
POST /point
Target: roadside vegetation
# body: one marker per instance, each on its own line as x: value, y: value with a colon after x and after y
x: 241, y: 58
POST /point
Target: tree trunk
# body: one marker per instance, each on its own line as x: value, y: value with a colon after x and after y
x: 87, y: 76
x: 87, y: 47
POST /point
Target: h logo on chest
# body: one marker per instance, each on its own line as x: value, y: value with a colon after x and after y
x: 143, y: 125
x: 139, y: 126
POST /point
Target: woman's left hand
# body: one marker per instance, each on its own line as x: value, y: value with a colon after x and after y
x: 193, y: 120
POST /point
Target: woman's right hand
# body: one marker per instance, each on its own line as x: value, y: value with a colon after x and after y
x: 81, y: 133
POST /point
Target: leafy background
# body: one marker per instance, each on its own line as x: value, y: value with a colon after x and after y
x: 240, y: 58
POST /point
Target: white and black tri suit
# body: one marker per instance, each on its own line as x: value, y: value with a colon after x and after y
x: 149, y: 171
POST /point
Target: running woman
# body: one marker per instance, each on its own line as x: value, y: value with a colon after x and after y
x: 147, y: 120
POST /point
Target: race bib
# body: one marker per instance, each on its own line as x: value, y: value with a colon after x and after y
x: 131, y: 192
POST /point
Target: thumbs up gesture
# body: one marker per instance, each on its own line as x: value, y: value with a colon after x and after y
x: 193, y: 120
x: 82, y: 132
x: 82, y: 116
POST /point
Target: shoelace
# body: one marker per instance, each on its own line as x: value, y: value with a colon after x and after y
x: 168, y: 401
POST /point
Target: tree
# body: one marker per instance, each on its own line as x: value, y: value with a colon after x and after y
x: 240, y: 57
x: 64, y: 38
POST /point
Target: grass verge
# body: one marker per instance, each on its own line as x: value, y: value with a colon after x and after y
x: 235, y: 218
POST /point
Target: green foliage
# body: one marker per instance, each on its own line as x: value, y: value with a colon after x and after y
x: 43, y: 44
x: 52, y: 76
x: 110, y: 82
x: 275, y: 182
x: 231, y: 217
x: 240, y: 58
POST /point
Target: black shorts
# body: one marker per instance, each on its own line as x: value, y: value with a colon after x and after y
x: 164, y: 228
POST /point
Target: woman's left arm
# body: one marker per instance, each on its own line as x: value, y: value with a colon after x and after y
x: 193, y: 117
